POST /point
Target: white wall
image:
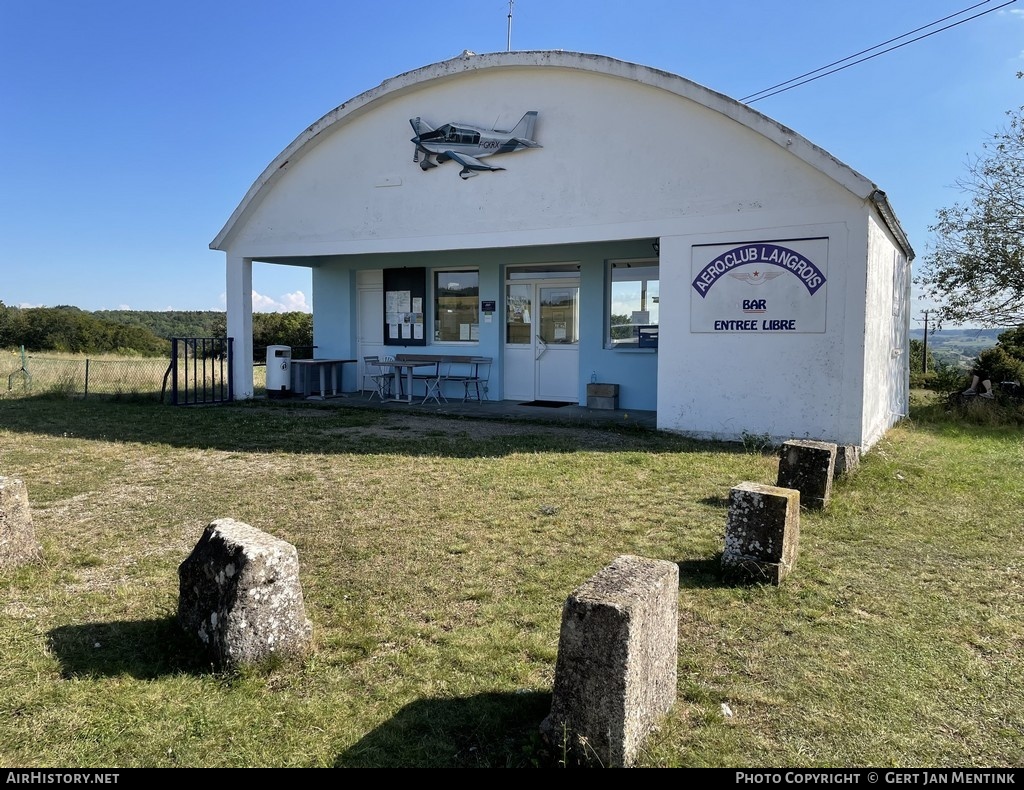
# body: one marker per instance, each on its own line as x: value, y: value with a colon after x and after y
x: 620, y: 159
x: 628, y: 153
x: 800, y: 385
x: 886, y: 362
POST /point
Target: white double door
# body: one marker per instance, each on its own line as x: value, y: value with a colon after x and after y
x: 542, y: 320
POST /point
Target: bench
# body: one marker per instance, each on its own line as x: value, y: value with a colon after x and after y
x: 467, y: 371
x: 436, y: 370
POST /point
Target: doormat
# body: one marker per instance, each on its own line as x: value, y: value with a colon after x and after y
x: 550, y: 404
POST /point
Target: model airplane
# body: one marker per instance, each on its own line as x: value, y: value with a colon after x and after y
x: 467, y: 144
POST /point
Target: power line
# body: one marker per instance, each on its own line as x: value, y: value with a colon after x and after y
x: 785, y: 86
x: 864, y: 51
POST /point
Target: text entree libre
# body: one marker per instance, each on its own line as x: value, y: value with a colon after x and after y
x: 754, y: 325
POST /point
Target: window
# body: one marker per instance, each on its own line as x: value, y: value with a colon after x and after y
x: 456, y: 306
x: 632, y: 301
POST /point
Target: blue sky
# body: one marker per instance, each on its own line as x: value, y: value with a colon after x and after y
x: 133, y: 129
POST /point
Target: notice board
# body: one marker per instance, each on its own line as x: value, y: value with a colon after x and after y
x: 405, y: 292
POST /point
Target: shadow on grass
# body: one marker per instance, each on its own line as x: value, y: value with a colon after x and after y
x: 492, y: 730
x: 701, y: 574
x: 143, y: 649
x: 721, y: 501
x: 253, y: 426
x: 708, y: 574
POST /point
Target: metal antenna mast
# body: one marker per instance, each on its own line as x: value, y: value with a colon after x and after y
x: 508, y: 46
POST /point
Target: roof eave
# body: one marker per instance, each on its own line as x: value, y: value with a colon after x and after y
x: 881, y: 202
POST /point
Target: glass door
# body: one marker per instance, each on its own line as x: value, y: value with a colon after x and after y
x: 557, y: 344
x: 541, y: 360
x: 519, y: 341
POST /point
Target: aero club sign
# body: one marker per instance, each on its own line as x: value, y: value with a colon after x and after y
x: 763, y: 286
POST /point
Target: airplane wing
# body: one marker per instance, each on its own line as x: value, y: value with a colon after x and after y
x: 470, y: 164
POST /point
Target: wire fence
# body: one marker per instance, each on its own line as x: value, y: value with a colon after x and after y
x: 94, y: 377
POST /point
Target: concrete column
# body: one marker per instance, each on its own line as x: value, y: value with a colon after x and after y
x: 674, y: 399
x: 239, y: 323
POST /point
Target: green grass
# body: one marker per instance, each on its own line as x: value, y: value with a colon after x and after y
x: 435, y: 558
x: 106, y: 376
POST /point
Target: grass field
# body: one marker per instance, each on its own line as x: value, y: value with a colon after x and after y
x: 435, y: 558
x: 105, y: 375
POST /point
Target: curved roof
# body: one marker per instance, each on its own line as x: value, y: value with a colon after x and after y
x: 469, y: 62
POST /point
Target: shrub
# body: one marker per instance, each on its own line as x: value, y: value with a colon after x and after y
x: 943, y: 378
x: 1001, y: 366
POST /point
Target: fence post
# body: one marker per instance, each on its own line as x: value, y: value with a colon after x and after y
x: 86, y: 395
x: 174, y: 371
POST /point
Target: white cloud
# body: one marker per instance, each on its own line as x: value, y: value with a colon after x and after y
x: 296, y: 302
x: 286, y: 303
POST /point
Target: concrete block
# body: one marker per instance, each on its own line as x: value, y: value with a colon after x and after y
x: 615, y: 676
x: 240, y: 595
x: 809, y: 467
x: 847, y: 460
x: 762, y: 532
x: 18, y: 544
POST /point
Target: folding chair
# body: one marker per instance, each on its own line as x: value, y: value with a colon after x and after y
x: 434, y: 383
x: 379, y: 375
x: 476, y: 383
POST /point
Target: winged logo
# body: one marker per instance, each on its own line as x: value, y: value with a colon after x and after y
x: 756, y: 277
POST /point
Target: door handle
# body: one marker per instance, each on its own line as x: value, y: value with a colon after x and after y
x: 542, y: 346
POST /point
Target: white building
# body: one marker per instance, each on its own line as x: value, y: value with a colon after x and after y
x: 777, y: 277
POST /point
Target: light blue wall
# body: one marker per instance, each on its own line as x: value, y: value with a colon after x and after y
x: 334, y: 317
x: 635, y: 371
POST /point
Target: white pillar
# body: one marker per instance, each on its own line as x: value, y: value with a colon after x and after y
x: 239, y: 323
x: 675, y: 398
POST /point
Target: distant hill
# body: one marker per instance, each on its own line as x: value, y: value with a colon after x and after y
x: 958, y: 347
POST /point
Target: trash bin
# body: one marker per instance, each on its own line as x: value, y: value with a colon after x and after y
x: 279, y: 371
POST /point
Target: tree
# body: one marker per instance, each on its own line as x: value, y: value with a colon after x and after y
x: 1012, y: 342
x: 289, y: 329
x: 976, y: 270
x: 1005, y: 360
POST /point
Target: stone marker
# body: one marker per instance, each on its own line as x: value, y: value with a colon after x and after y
x: 240, y: 595
x: 18, y: 544
x: 615, y: 676
x: 808, y: 466
x: 847, y: 460
x: 762, y: 532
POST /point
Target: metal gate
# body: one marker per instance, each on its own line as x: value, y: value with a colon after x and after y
x: 200, y: 370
